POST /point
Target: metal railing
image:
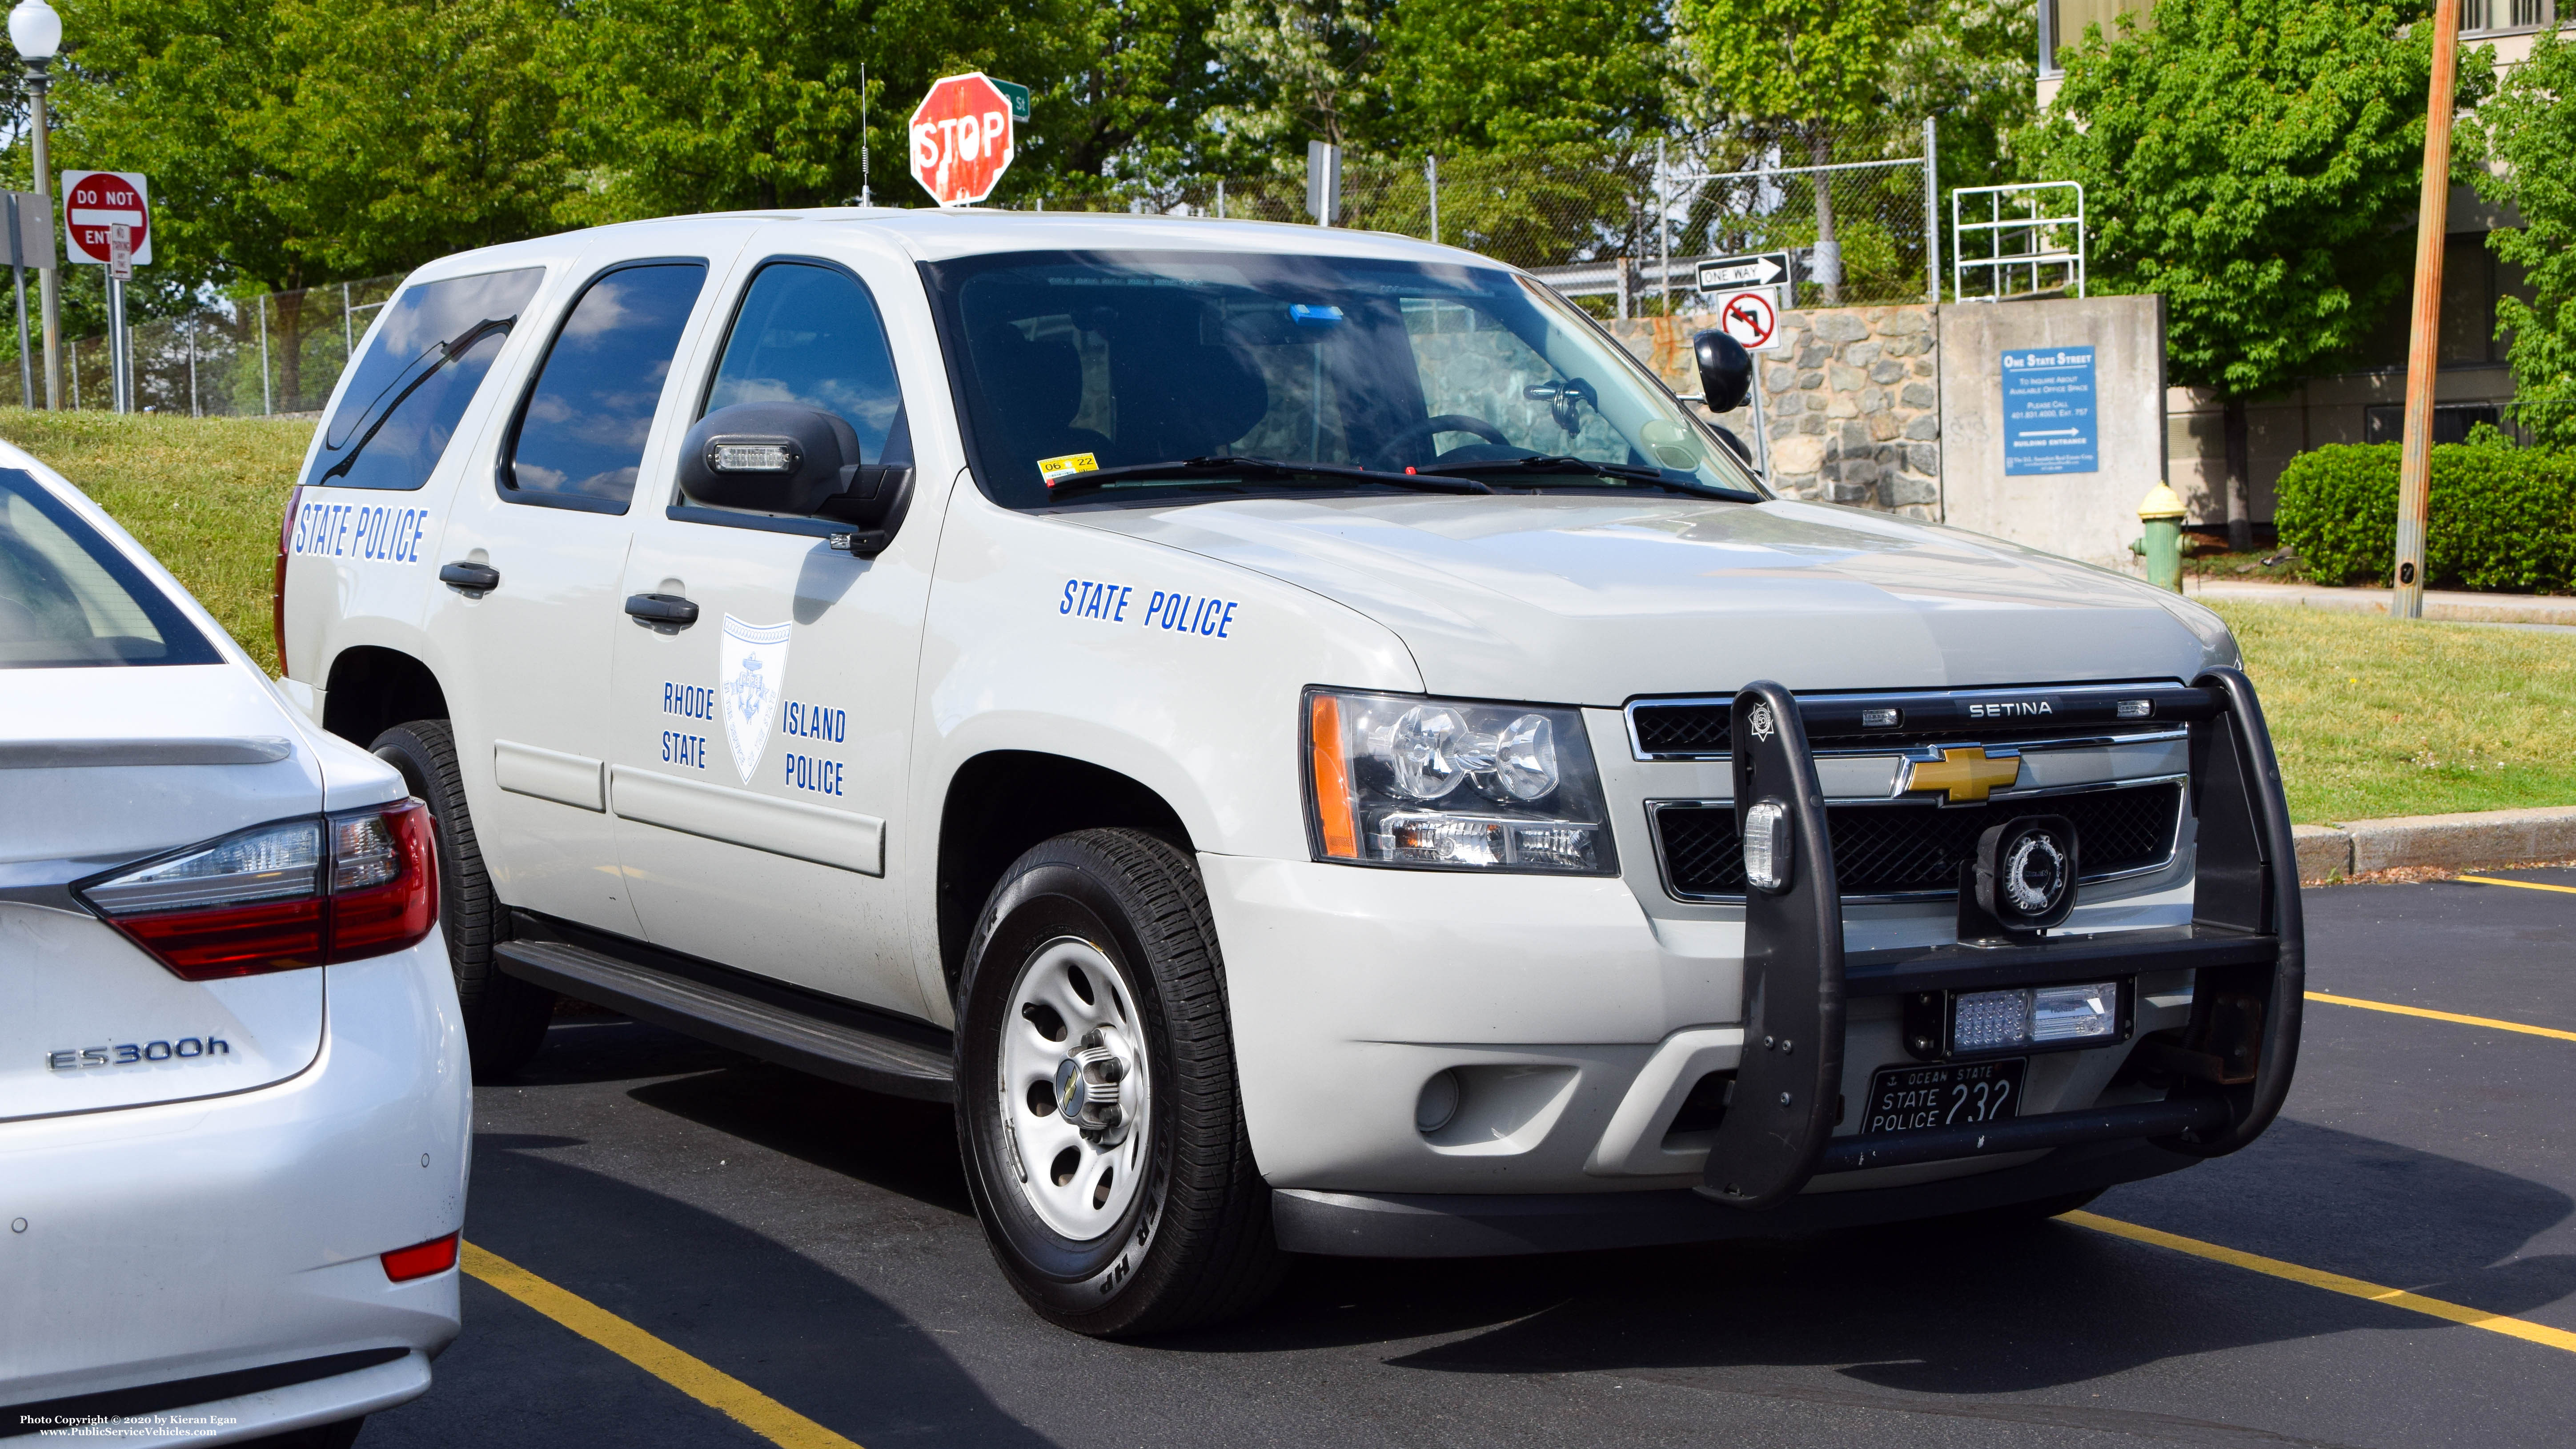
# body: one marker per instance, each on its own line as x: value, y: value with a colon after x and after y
x: 2032, y: 241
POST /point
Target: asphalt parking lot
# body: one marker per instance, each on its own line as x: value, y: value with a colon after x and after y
x: 803, y: 1253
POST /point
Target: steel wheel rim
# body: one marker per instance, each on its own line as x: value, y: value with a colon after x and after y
x: 1072, y: 1008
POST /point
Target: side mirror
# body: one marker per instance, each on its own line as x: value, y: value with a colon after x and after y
x: 778, y: 458
x: 1725, y: 370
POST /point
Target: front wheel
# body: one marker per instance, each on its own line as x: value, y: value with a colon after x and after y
x: 1097, y: 1111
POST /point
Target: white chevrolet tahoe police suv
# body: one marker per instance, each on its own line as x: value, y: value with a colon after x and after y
x: 1300, y: 737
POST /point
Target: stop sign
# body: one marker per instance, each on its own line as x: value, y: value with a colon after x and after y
x: 961, y: 138
x: 93, y: 201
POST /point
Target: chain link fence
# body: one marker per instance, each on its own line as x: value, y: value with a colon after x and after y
x: 1618, y: 225
x: 1623, y: 224
x: 277, y: 353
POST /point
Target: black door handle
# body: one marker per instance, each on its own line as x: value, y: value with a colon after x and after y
x: 473, y: 578
x: 662, y: 609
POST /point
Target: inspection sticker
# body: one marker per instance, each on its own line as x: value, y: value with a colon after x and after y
x: 1056, y: 470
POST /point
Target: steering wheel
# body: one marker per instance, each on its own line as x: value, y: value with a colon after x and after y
x: 1390, y: 457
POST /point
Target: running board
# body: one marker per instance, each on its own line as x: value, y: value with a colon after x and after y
x: 769, y: 1020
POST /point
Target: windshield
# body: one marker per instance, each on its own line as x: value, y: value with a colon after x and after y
x: 1079, y: 362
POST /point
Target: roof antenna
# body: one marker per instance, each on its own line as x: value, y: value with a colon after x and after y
x: 864, y: 198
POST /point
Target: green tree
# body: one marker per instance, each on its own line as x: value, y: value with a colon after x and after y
x: 1973, y: 65
x: 1296, y: 70
x: 2532, y: 122
x: 293, y: 143
x: 696, y: 105
x: 1817, y: 65
x: 2257, y: 162
x: 1514, y: 75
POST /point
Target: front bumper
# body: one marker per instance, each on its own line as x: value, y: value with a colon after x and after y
x: 232, y: 1243
x: 1580, y: 1025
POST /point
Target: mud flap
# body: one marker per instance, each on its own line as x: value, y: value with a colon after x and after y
x: 1787, y: 1087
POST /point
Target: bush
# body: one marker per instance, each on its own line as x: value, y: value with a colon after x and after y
x: 2501, y: 517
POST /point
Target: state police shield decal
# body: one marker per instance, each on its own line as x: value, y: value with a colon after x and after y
x: 752, y: 667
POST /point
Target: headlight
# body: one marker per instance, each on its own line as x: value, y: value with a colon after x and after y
x: 1397, y: 779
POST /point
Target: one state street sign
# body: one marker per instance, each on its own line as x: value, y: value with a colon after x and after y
x: 94, y: 201
x: 962, y: 138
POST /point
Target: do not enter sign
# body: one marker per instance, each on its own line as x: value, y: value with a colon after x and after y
x: 961, y: 138
x: 94, y: 201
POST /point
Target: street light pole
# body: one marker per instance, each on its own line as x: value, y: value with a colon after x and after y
x: 38, y: 33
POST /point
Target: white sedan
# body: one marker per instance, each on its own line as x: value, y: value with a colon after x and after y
x: 234, y: 1093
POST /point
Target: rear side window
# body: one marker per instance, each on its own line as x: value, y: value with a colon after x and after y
x: 579, y: 438
x: 68, y: 598
x: 811, y: 336
x: 411, y: 385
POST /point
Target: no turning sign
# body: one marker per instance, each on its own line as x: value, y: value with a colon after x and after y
x: 1752, y: 317
x: 94, y: 202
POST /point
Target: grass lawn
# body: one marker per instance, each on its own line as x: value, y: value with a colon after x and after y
x: 204, y: 494
x: 2371, y: 718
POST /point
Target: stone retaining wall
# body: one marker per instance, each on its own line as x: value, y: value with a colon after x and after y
x: 1852, y: 406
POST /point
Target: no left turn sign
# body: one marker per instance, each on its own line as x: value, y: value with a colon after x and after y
x: 94, y: 202
x: 1752, y: 317
x: 962, y: 138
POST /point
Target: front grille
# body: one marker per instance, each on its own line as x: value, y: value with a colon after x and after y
x: 1688, y: 729
x: 1899, y: 848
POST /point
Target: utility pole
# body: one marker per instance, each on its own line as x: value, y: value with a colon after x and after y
x: 2415, y: 461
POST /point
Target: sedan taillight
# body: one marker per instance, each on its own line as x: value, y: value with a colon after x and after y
x: 281, y: 896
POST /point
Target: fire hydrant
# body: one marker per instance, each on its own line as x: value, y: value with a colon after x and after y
x: 2161, y: 511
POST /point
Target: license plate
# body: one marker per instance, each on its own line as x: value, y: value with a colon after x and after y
x: 1956, y: 1094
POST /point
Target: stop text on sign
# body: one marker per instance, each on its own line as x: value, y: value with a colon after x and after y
x: 963, y: 137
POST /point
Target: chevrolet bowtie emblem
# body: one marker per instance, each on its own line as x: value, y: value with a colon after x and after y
x: 1967, y: 774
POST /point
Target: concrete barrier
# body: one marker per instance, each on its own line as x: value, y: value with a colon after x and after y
x: 2478, y: 840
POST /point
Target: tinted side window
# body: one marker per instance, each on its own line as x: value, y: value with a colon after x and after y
x: 811, y: 336
x: 419, y: 370
x: 580, y: 436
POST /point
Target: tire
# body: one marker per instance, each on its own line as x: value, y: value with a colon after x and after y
x: 505, y: 1017
x: 1183, y: 1238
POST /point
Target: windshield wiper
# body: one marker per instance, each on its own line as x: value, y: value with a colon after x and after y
x: 1565, y: 463
x: 419, y: 370
x: 1212, y: 467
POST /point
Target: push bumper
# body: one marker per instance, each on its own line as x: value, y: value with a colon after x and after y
x: 2224, y: 1076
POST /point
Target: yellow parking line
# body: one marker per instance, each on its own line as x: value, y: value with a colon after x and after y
x: 2529, y: 885
x: 710, y: 1386
x: 2487, y: 1021
x: 2511, y: 1327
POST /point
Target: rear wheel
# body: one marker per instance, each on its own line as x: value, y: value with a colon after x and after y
x: 505, y: 1017
x: 1097, y: 1111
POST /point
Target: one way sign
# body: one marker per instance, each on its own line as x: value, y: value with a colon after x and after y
x: 1758, y: 270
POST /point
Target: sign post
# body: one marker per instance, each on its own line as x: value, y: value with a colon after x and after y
x: 963, y: 138
x: 30, y: 223
x: 107, y: 218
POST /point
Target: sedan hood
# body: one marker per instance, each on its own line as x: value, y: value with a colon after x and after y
x: 1587, y: 600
